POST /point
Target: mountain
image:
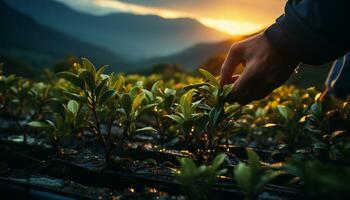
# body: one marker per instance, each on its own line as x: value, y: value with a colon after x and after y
x: 134, y: 36
x: 194, y: 56
x: 24, y: 39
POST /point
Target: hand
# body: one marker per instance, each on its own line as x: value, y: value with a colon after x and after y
x: 264, y: 69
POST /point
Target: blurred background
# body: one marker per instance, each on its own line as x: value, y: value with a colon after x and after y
x: 133, y: 36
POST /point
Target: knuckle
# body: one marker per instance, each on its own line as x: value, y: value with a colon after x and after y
x: 234, y: 48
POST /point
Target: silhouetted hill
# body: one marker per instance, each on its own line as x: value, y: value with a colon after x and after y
x: 194, y: 56
x: 23, y: 38
x: 134, y: 36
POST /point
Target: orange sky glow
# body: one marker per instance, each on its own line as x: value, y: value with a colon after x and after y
x: 235, y: 17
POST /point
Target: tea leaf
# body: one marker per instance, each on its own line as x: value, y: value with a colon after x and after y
x: 126, y: 103
x: 72, y: 78
x: 74, y: 96
x: 119, y: 84
x: 186, y: 104
x: 40, y: 125
x: 73, y: 106
x: 253, y: 158
x: 243, y: 176
x: 101, y: 87
x: 207, y: 75
x: 227, y: 90
x: 107, y: 96
x: 176, y: 118
x: 88, y: 78
x: 146, y: 130
x: 137, y: 101
x: 218, y: 160
x: 89, y: 66
x: 101, y: 71
x: 284, y: 111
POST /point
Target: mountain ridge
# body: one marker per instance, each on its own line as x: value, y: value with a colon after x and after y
x: 40, y: 46
x: 130, y: 35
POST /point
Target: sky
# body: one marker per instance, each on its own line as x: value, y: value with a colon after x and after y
x: 236, y: 17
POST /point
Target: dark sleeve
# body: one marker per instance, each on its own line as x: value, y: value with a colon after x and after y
x: 313, y: 31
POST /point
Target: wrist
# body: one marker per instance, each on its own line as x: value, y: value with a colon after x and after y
x: 281, y: 51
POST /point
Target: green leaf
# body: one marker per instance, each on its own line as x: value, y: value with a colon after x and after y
x: 186, y: 104
x: 266, y: 178
x: 88, y: 79
x: 101, y: 71
x: 74, y: 96
x: 227, y: 90
x: 119, y: 84
x: 73, y: 106
x: 146, y: 130
x: 187, y: 166
x: 216, y: 115
x: 89, y: 66
x: 243, y: 176
x: 72, y: 78
x: 149, y: 95
x: 40, y: 125
x: 253, y: 158
x: 284, y: 111
x: 148, y: 107
x: 107, y: 96
x: 155, y: 87
x: 176, y: 118
x: 195, y: 86
x: 218, y: 160
x: 137, y: 101
x: 126, y: 103
x: 134, y: 91
x: 101, y: 87
x: 207, y: 75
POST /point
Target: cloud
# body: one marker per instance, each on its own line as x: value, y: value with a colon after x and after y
x: 259, y: 11
x: 232, y: 16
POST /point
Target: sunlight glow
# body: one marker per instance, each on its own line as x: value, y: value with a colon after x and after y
x: 233, y: 27
x: 141, y: 10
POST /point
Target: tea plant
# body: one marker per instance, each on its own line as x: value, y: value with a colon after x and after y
x: 322, y: 180
x: 213, y: 121
x: 132, y: 104
x: 184, y: 112
x: 253, y: 178
x: 61, y: 125
x: 163, y: 101
x: 196, y: 181
x: 192, y: 122
x: 96, y: 91
x: 14, y: 92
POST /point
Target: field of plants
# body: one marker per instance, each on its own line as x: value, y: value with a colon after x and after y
x: 89, y: 134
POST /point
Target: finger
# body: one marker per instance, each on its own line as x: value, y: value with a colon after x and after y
x: 234, y: 78
x: 233, y: 59
x: 237, y: 95
x: 245, y: 86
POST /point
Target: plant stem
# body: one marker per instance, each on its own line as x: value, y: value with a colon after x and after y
x: 98, y: 129
x: 18, y: 124
x: 109, y: 128
x: 159, y: 127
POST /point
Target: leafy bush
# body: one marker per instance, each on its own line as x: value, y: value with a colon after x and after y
x: 196, y: 181
x: 253, y: 178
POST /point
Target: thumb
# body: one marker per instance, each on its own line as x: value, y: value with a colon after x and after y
x: 233, y: 59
